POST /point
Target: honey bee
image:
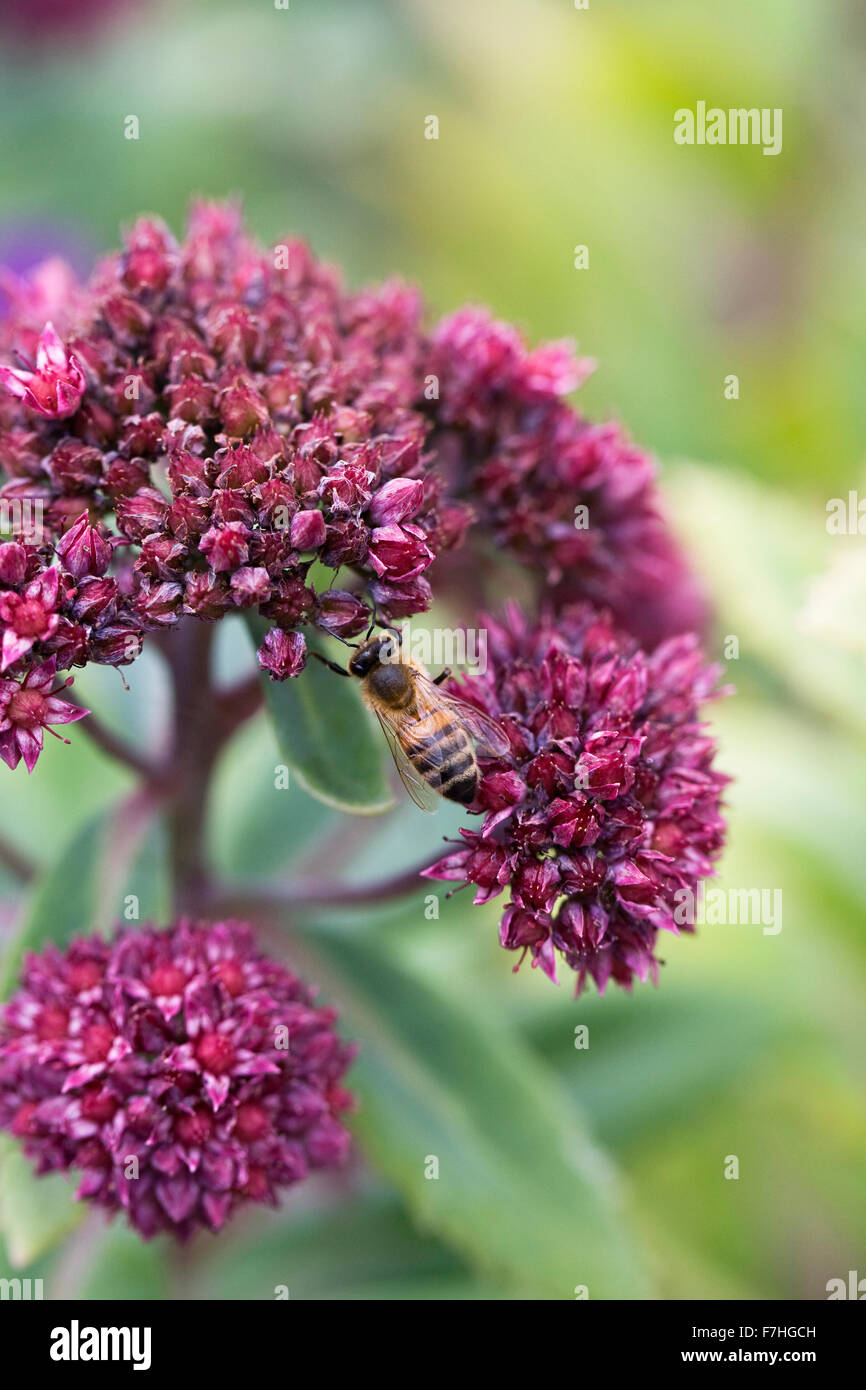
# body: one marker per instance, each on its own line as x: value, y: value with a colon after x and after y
x: 433, y: 736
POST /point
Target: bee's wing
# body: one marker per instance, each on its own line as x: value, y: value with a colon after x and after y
x: 490, y: 738
x: 423, y: 795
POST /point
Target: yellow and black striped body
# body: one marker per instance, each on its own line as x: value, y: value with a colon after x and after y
x: 441, y: 752
x: 430, y: 736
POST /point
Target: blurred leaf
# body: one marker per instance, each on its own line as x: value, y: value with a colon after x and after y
x: 147, y: 879
x: 35, y: 1213
x: 124, y: 1267
x: 649, y: 1061
x: 522, y: 1192
x: 62, y: 900
x: 84, y: 890
x: 326, y: 737
x: 348, y: 1249
x: 256, y: 826
x: 761, y: 551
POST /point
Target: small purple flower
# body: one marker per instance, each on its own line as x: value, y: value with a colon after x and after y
x: 56, y: 384
x: 282, y: 654
x: 28, y: 616
x: 608, y: 804
x: 27, y: 709
x: 180, y: 1072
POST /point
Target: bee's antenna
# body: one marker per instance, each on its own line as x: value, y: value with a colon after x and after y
x: 380, y: 622
x: 331, y: 665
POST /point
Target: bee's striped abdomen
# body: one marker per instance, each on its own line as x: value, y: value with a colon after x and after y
x: 441, y: 751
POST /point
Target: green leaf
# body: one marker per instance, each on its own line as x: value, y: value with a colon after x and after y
x: 342, y: 1250
x: 326, y: 737
x: 256, y: 825
x: 761, y: 552
x: 650, y: 1062
x: 119, y: 851
x: 124, y: 1267
x: 62, y: 901
x: 522, y: 1192
x: 35, y: 1213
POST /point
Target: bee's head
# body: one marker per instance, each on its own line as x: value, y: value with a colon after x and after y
x: 379, y: 651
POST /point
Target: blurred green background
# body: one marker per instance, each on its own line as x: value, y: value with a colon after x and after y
x: 559, y: 1167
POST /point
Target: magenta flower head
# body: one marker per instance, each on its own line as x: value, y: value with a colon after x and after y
x: 575, y: 503
x: 606, y: 814
x: 215, y: 420
x: 49, y: 22
x: 180, y: 1072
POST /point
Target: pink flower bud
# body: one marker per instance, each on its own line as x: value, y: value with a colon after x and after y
x: 347, y: 489
x: 400, y: 552
x: 55, y: 388
x: 117, y: 644
x: 95, y: 599
x: 83, y: 549
x: 341, y: 613
x: 242, y: 409
x: 151, y: 254
x: 396, y: 501
x: 282, y: 654
x: 142, y: 514
x: 553, y: 370
x: 226, y: 547
x: 13, y: 564
x: 159, y: 606
x: 206, y: 595
x: 307, y: 530
x: 250, y: 585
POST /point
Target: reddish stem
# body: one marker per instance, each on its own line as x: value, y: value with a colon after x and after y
x: 116, y: 747
x: 315, y: 893
x: 17, y: 863
x: 195, y: 744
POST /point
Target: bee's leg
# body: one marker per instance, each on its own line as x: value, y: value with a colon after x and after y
x: 443, y: 676
x: 332, y: 665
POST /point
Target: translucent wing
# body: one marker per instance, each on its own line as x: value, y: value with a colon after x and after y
x: 490, y: 738
x: 423, y: 795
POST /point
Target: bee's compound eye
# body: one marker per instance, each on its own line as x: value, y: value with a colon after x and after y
x: 363, y: 661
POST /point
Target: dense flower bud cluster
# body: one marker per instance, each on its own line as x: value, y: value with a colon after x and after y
x: 207, y: 427
x: 197, y: 428
x: 576, y: 503
x: 181, y: 1073
x: 608, y: 805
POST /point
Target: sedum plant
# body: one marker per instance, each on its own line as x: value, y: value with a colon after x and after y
x: 208, y: 428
